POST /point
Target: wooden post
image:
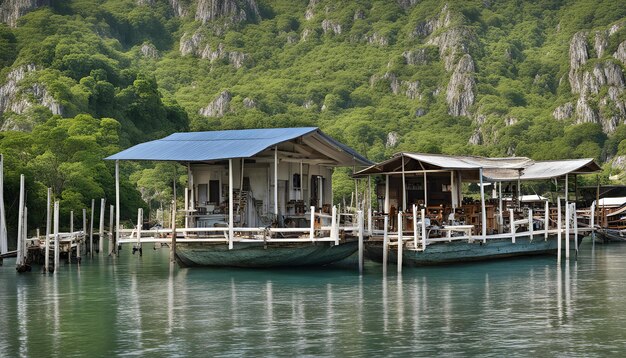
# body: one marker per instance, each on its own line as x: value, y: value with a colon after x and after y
x: 385, y: 243
x: 173, y: 242
x: 512, y: 224
x: 361, y: 246
x: 231, y: 218
x: 559, y: 228
x: 117, y: 206
x: 20, y: 226
x: 425, y: 190
x: 312, y: 227
x: 386, y: 208
x: 424, y: 229
x: 93, y: 202
x: 404, y: 203
x: 334, y: 230
x: 530, y: 224
x: 369, y: 220
x: 101, y: 227
x: 69, y: 256
x: 112, y: 242
x: 414, y: 227
x: 400, y: 241
x: 139, y: 227
x: 4, y: 244
x: 575, y: 227
x: 186, y: 208
x: 276, y: 181
x: 546, y: 218
x: 501, y: 215
x: 48, y: 229
x: 483, y: 217
x: 56, y: 236
x: 568, y: 216
x: 593, y: 218
x: 78, y: 243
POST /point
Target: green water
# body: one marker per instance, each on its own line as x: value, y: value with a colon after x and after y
x: 139, y: 306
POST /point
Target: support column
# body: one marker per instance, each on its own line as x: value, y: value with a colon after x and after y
x: 101, y: 227
x: 500, y: 215
x: 386, y: 208
x: 404, y: 204
x: 56, y: 236
x: 559, y: 228
x: 400, y: 241
x: 482, y: 205
x: 117, y: 206
x: 361, y: 246
x: 385, y: 243
x: 48, y: 229
x: 173, y: 242
x: 20, y: 226
x: 231, y: 218
x: 275, y: 182
x: 93, y: 202
x: 4, y: 245
x: 568, y: 215
x: 112, y: 241
x: 546, y: 218
x: 425, y: 191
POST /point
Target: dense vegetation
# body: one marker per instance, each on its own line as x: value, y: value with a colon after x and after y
x: 117, y: 71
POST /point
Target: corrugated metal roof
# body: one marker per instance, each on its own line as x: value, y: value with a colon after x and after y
x: 494, y: 169
x: 612, y: 202
x: 219, y: 145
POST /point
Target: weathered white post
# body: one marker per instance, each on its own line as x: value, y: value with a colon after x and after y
x: 117, y: 206
x: 101, y: 227
x: 173, y: 242
x: 93, y: 202
x: 530, y: 224
x: 361, y: 246
x: 546, y: 221
x: 575, y: 227
x: 48, y: 229
x: 334, y: 230
x: 231, y: 218
x: 369, y: 220
x: 483, y: 217
x: 414, y: 226
x: 512, y: 224
x: 424, y: 229
x: 78, y: 242
x: 386, y: 208
x: 20, y: 226
x: 112, y: 243
x: 568, y: 215
x: 593, y: 221
x: 4, y: 244
x: 559, y: 228
x: 400, y: 241
x: 385, y: 243
x: 139, y: 224
x: 56, y: 236
x: 312, y: 227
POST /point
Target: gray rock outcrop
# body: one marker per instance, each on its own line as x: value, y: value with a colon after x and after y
x: 563, y: 111
x: 17, y: 99
x: 12, y: 10
x: 230, y: 10
x: 149, y: 51
x: 460, y: 92
x: 218, y: 107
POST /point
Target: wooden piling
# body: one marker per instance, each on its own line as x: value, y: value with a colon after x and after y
x: 361, y: 246
x: 568, y: 215
x: 334, y: 230
x: 78, y: 241
x: 415, y: 226
x: 4, y: 245
x: 91, y: 228
x: 173, y: 243
x: 139, y: 225
x: 400, y: 242
x: 56, y: 236
x: 575, y: 228
x: 385, y: 243
x: 559, y: 228
x: 112, y: 243
x: 48, y: 229
x: 530, y: 224
x: 101, y: 227
x: 512, y: 224
x: 424, y: 235
x: 546, y: 221
x: 19, y: 262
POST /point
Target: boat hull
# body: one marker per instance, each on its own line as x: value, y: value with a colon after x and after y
x: 251, y: 254
x: 464, y: 251
x: 611, y: 235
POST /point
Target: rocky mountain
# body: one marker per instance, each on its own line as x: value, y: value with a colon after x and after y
x: 483, y: 77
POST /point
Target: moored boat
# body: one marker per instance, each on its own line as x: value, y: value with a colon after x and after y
x: 426, y: 220
x: 254, y: 198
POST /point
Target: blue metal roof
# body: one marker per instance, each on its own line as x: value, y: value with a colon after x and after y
x: 218, y: 145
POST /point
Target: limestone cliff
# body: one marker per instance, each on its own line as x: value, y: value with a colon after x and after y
x: 218, y: 107
x: 12, y: 10
x: 230, y: 10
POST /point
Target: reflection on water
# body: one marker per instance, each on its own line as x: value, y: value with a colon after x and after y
x: 144, y: 306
